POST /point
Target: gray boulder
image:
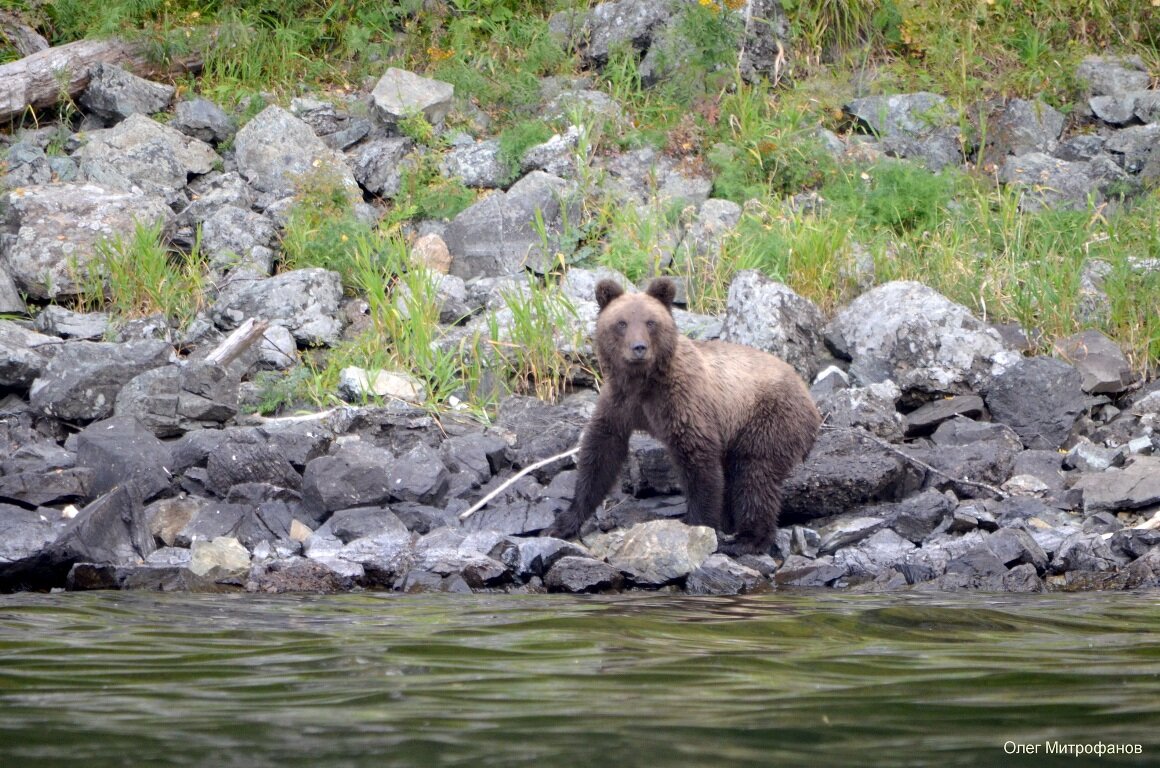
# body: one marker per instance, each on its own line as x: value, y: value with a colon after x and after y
x: 1045, y: 420
x: 233, y: 237
x: 872, y: 408
x: 114, y: 94
x: 498, y: 235
x: 142, y: 155
x: 768, y: 315
x: 174, y: 399
x: 247, y: 457
x: 279, y: 153
x: 378, y: 164
x: 1100, y: 361
x: 83, y: 378
x: 305, y: 301
x: 596, y: 31
x: 11, y: 302
x: 476, y: 164
x: 582, y: 574
x: 1048, y: 182
x: 65, y: 323
x: 662, y: 551
x: 26, y: 165
x: 122, y: 453
x: 1111, y: 75
x: 1024, y: 126
x: 919, y: 125
x: 1136, y: 486
x: 720, y: 574
x: 355, y: 474
x: 23, y: 354
x: 399, y: 94
x: 55, y: 229
x: 203, y: 120
x: 910, y: 334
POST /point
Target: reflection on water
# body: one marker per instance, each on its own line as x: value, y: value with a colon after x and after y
x: 144, y: 679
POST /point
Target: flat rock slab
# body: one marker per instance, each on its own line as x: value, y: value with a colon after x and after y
x: 926, y: 418
x: 1136, y: 486
x: 661, y: 551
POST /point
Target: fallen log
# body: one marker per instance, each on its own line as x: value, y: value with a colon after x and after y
x: 57, y: 74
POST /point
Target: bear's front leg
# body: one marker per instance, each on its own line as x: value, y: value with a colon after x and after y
x: 603, y: 450
x: 704, y: 481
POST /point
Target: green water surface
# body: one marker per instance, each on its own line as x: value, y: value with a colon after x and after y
x: 147, y: 679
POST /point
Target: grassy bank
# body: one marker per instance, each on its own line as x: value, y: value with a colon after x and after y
x: 958, y: 231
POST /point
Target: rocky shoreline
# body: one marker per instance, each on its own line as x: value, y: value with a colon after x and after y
x: 950, y: 457
x: 982, y: 486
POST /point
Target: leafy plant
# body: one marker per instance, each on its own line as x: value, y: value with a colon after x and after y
x: 140, y: 275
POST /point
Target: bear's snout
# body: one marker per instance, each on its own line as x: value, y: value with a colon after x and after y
x: 638, y: 349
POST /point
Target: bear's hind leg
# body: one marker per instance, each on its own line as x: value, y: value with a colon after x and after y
x: 754, y: 501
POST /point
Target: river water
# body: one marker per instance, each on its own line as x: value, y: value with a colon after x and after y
x: 652, y: 680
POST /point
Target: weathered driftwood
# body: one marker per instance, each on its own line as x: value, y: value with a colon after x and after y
x: 238, y: 342
x: 47, y: 77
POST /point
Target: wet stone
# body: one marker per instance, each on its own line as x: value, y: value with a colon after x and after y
x: 582, y: 574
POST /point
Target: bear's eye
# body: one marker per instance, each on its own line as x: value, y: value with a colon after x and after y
x: 652, y: 324
x: 621, y: 325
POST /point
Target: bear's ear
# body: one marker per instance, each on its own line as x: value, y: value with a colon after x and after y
x: 606, y: 291
x: 663, y: 290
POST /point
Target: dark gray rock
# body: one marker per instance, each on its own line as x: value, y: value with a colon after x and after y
x: 61, y: 321
x: 355, y: 474
x: 1136, y: 486
x: 1015, y: 546
x: 1043, y: 421
x: 210, y: 520
x: 768, y: 315
x: 520, y: 510
x: 1086, y: 552
x: 874, y: 556
x: 927, y: 417
x: 798, y: 571
x: 269, y: 513
x: 337, y: 129
x: 26, y: 165
x: 1048, y: 182
x: 121, y: 452
x: 203, y: 120
x: 39, y: 488
x: 541, y: 429
x: 1022, y: 127
x: 582, y: 574
x: 916, y: 517
x: 1134, y: 543
x: 112, y: 529
x: 845, y: 471
x: 379, y: 163
x: 1099, y: 360
x: 479, y: 453
x: 23, y: 354
x: 24, y: 533
x: 722, y: 575
x: 967, y: 469
x: 174, y: 399
x: 113, y: 94
x: 536, y: 556
x: 297, y: 575
x: 83, y: 378
x: 418, y: 475
x: 246, y: 457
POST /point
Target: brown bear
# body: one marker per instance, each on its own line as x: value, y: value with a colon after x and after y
x: 735, y: 420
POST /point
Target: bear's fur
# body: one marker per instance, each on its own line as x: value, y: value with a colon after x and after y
x: 735, y: 420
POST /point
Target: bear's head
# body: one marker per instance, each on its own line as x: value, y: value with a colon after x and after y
x: 635, y: 332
